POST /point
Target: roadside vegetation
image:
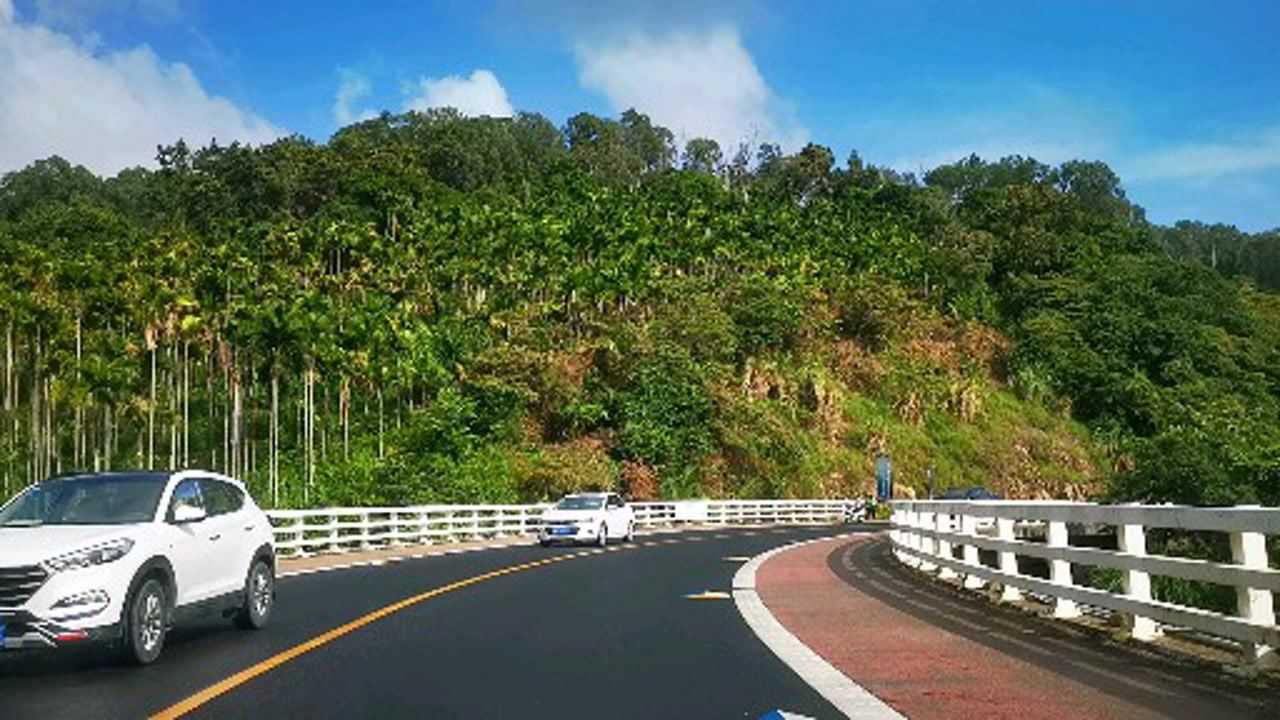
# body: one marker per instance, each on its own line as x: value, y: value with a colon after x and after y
x: 430, y: 308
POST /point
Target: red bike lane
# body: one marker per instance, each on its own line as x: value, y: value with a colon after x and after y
x: 932, y: 651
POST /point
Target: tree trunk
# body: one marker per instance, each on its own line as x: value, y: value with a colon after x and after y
x: 186, y: 404
x: 309, y: 420
x: 324, y: 429
x: 151, y: 414
x: 173, y: 407
x: 208, y: 394
x: 275, y: 439
x: 78, y: 444
x: 106, y: 437
x: 51, y: 409
x: 237, y: 419
x: 9, y: 408
x: 344, y: 410
x: 226, y: 417
x: 250, y: 452
x: 35, y: 475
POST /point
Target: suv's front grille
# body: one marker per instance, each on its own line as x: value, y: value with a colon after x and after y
x: 18, y: 584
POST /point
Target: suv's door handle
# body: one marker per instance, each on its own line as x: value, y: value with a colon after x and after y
x: 249, y: 528
x: 215, y: 538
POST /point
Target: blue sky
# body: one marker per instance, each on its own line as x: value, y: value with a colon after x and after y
x: 1182, y: 99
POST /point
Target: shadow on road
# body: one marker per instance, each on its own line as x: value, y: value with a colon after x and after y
x: 102, y: 659
x: 1140, y: 676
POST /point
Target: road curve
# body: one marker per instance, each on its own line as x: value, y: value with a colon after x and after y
x: 601, y: 635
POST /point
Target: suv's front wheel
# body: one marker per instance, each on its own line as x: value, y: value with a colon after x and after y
x: 259, y: 596
x: 146, y: 620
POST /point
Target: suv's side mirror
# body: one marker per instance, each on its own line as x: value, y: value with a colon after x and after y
x: 184, y: 514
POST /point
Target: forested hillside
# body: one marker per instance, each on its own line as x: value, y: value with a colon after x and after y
x: 433, y: 308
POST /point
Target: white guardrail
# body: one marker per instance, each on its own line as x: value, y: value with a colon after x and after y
x: 337, y: 530
x: 946, y: 536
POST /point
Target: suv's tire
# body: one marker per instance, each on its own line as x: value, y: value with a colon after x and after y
x: 146, y: 619
x: 259, y: 596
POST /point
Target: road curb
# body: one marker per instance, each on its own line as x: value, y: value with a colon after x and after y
x: 848, y: 697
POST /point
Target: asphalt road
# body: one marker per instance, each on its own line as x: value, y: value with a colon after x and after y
x: 605, y: 635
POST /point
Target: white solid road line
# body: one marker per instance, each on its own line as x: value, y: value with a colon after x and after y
x: 847, y: 696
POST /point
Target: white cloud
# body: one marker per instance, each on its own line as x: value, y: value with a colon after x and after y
x: 477, y: 94
x: 1257, y: 152
x: 352, y: 88
x: 106, y: 111
x: 697, y: 83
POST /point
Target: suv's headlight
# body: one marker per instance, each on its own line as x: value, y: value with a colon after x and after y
x: 96, y: 555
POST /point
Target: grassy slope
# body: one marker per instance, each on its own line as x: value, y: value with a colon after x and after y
x: 929, y: 391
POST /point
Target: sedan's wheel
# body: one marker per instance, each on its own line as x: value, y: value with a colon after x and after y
x: 631, y: 532
x: 146, y: 619
x: 259, y: 597
x: 603, y: 539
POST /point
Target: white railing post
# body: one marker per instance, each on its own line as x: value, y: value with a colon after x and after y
x: 1253, y: 604
x: 901, y: 519
x: 944, y: 524
x: 926, y: 543
x: 912, y: 540
x: 300, y: 524
x: 1060, y: 570
x: 333, y: 533
x: 1137, y: 584
x: 447, y: 525
x: 969, y: 526
x: 1008, y: 560
x: 417, y: 531
x: 893, y: 532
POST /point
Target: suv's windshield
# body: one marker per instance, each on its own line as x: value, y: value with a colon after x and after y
x: 116, y: 499
x: 578, y: 502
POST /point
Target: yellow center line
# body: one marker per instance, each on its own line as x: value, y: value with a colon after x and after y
x: 213, y: 691
x: 231, y: 683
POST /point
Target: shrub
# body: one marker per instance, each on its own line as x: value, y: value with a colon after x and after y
x: 694, y: 322
x: 556, y: 470
x: 767, y: 314
x: 874, y: 311
x: 666, y: 413
x: 639, y: 481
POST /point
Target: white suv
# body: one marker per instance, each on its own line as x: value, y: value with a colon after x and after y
x: 121, y: 557
x: 588, y: 517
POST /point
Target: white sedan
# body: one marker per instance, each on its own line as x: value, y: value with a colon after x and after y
x: 589, y: 518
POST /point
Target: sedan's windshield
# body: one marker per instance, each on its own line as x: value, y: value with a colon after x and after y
x: 116, y: 499
x: 579, y: 502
